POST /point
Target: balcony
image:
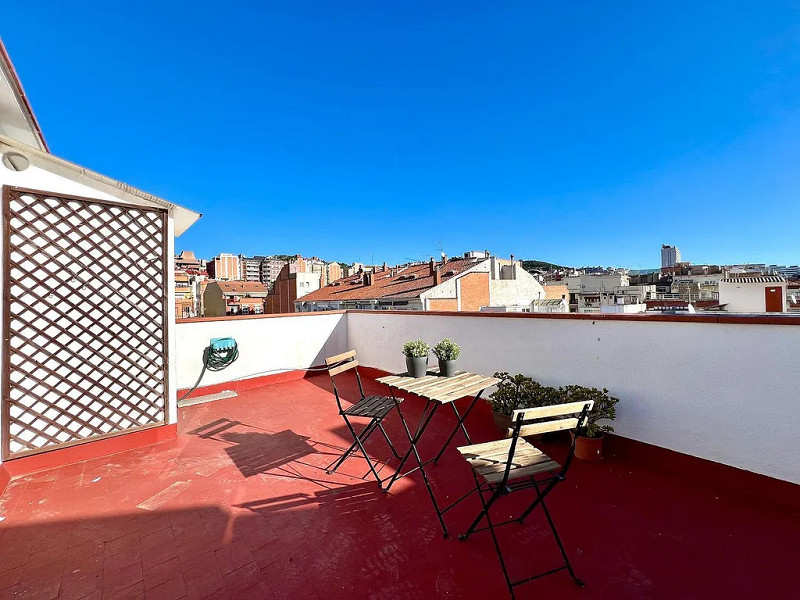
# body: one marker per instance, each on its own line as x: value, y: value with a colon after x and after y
x: 697, y: 497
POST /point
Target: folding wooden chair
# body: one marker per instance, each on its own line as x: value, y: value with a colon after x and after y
x: 513, y: 464
x: 374, y: 408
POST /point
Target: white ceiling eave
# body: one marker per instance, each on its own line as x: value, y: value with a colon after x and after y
x: 183, y: 217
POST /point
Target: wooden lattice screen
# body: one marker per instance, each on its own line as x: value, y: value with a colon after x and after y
x: 84, y: 344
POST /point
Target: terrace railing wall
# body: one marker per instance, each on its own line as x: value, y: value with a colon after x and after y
x: 719, y: 388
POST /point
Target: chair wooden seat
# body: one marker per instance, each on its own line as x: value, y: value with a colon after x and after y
x: 372, y: 407
x: 491, y: 458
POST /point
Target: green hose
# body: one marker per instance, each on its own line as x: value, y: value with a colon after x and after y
x: 217, y: 360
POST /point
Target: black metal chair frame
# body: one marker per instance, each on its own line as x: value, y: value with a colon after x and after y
x: 542, y: 487
x: 336, y: 365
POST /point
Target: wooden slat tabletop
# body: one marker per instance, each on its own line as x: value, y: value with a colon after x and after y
x: 440, y: 389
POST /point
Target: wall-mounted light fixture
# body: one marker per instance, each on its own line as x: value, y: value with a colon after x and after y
x: 15, y: 161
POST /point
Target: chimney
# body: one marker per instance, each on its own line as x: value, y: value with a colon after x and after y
x: 437, y: 277
x: 368, y: 278
x: 432, y: 266
x: 385, y: 266
x: 444, y: 258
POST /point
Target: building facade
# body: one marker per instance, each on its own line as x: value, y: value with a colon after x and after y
x: 230, y: 298
x: 269, y: 269
x: 224, y: 267
x: 249, y: 268
x: 292, y: 283
x: 670, y: 256
x: 468, y: 283
x: 765, y: 294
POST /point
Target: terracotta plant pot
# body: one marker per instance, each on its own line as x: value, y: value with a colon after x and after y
x: 417, y: 366
x: 587, y: 448
x: 447, y: 368
x: 502, y: 422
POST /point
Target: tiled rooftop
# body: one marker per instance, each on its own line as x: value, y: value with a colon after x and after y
x: 239, y: 506
x: 406, y: 282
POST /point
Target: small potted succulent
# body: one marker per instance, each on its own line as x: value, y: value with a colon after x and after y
x: 416, y: 353
x: 447, y: 351
x: 515, y: 392
x: 589, y: 446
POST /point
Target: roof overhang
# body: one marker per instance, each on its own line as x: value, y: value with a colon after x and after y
x: 183, y: 217
x: 16, y: 114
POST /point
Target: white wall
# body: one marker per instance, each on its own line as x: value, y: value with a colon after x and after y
x: 623, y: 308
x: 267, y: 345
x: 595, y: 283
x: 723, y: 392
x: 747, y: 297
x: 509, y: 292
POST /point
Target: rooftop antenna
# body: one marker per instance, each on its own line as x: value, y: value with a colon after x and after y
x: 441, y: 249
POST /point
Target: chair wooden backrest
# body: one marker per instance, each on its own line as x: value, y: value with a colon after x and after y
x: 339, y: 364
x: 533, y: 419
x: 544, y: 419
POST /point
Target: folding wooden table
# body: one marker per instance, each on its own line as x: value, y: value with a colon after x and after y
x: 437, y: 391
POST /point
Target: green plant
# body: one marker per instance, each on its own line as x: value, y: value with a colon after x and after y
x: 416, y: 349
x: 519, y: 391
x: 447, y: 349
x: 604, y: 407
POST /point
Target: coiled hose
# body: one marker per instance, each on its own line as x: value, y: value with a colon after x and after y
x: 214, y: 361
x: 222, y: 359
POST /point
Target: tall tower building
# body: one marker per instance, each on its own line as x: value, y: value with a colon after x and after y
x: 669, y: 256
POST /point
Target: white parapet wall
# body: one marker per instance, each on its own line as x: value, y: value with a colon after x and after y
x: 268, y: 344
x: 725, y: 392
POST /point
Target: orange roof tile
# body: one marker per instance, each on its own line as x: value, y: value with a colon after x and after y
x: 407, y: 282
x: 242, y: 287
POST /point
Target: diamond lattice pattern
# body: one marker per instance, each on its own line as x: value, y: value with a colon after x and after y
x: 86, y: 320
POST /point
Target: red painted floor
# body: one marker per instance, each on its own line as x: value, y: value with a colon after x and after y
x: 240, y: 507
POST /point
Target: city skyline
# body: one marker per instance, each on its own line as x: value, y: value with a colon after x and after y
x: 437, y: 256
x: 576, y: 134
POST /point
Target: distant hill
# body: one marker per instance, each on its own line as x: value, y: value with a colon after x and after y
x: 540, y: 265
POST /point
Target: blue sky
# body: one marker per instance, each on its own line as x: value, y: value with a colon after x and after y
x: 575, y: 132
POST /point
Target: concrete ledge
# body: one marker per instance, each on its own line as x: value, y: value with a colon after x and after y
x: 264, y: 316
x: 731, y: 319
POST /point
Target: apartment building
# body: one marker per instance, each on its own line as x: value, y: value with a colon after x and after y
x: 224, y: 267
x: 249, y: 268
x: 670, y: 256
x: 184, y: 295
x: 228, y: 298
x: 292, y: 283
x: 269, y: 268
x: 588, y: 291
x: 467, y: 283
x: 187, y: 261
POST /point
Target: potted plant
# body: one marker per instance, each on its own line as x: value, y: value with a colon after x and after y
x: 416, y: 353
x: 515, y: 392
x: 589, y: 446
x: 447, y: 351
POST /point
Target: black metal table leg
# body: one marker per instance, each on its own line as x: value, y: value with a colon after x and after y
x: 425, y: 419
x: 460, y: 424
